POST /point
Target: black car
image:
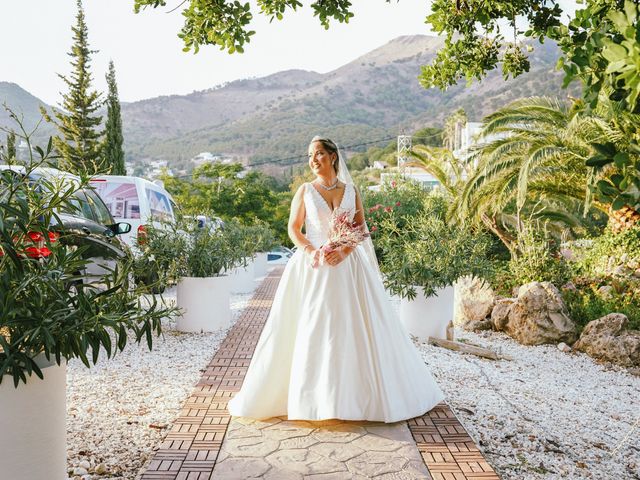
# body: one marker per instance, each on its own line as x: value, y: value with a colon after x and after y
x: 86, y: 223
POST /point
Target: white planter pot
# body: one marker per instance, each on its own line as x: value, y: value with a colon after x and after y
x: 33, y: 434
x: 260, y: 265
x: 426, y: 317
x: 242, y: 279
x: 204, y: 303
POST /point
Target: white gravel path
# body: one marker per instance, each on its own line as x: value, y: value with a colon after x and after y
x: 119, y: 409
x: 545, y: 414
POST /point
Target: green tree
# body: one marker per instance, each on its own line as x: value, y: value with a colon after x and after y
x: 113, y: 153
x: 531, y: 167
x: 228, y: 193
x: 79, y: 143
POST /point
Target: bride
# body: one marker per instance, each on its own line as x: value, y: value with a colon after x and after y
x: 333, y: 346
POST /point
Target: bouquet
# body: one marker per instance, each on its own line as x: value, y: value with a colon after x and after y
x: 342, y: 233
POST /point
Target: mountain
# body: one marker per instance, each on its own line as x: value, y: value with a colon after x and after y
x: 27, y: 109
x: 373, y: 97
x: 265, y: 120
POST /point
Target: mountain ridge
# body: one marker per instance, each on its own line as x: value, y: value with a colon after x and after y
x: 373, y: 96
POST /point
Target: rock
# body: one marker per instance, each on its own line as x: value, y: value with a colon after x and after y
x: 637, y: 273
x: 563, y: 347
x: 478, y: 325
x: 85, y: 464
x: 101, y: 469
x: 538, y: 316
x: 500, y: 313
x: 608, y: 339
x: 569, y: 286
x: 473, y: 302
x: 80, y: 471
x: 605, y: 291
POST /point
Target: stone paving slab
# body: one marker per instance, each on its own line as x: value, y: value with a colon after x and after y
x: 279, y: 448
x: 206, y: 443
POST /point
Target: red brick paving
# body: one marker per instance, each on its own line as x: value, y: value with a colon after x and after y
x: 191, y: 447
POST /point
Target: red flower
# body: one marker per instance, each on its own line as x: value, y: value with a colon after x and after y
x: 397, y: 204
x: 387, y: 209
x: 35, y: 236
x: 393, y: 184
x: 35, y: 252
x: 373, y: 229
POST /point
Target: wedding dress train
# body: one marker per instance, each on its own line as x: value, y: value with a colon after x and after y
x: 333, y: 346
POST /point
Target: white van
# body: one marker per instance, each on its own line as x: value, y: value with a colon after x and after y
x: 136, y: 201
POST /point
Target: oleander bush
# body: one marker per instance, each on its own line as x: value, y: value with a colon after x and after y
x: 429, y: 252
x: 182, y: 249
x: 47, y: 308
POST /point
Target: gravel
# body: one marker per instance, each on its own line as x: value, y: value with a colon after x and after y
x: 545, y: 414
x: 121, y: 408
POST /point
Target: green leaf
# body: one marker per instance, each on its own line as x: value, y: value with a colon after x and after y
x: 616, y: 179
x: 598, y: 161
x: 631, y: 10
x: 621, y: 159
x: 606, y: 149
x: 618, y: 203
x: 614, y: 52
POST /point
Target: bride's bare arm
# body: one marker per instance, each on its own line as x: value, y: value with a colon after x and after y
x: 296, y: 221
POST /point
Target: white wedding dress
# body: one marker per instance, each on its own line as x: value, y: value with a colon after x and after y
x: 333, y: 346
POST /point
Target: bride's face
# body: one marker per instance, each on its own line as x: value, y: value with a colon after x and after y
x: 320, y: 160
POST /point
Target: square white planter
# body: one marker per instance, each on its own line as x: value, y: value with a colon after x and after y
x: 204, y: 303
x: 33, y: 434
x: 260, y: 265
x: 426, y: 317
x: 242, y: 279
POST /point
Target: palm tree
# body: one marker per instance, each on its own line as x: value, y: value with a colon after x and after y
x: 531, y: 166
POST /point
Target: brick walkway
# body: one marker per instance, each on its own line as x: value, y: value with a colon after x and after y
x: 281, y: 449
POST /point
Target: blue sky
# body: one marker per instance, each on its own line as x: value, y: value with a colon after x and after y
x: 36, y: 36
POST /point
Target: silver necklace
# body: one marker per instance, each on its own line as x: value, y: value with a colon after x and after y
x: 331, y: 187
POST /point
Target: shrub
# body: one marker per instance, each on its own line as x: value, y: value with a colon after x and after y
x: 608, y: 254
x: 260, y: 236
x: 429, y: 252
x: 392, y: 208
x: 183, y: 249
x: 45, y: 307
x: 536, y: 261
x: 586, y: 304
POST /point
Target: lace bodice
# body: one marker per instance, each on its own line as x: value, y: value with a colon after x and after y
x: 318, y: 212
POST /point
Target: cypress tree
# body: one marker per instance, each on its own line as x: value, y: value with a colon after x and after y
x: 11, y: 146
x: 113, y: 152
x: 80, y: 143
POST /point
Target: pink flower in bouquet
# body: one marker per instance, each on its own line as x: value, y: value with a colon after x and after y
x: 342, y: 233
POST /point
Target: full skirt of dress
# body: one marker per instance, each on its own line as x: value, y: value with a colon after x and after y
x: 333, y: 347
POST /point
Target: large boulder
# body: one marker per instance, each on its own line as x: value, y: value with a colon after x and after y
x: 537, y: 316
x: 608, y: 339
x: 474, y: 300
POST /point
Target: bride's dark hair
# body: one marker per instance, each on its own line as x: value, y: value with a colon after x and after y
x: 329, y: 146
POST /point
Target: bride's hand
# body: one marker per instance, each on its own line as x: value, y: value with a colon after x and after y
x: 313, y: 255
x: 334, y: 257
